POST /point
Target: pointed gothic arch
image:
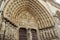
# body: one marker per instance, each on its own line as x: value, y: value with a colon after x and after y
x: 14, y: 8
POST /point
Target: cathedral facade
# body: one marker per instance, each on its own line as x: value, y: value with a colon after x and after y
x: 29, y: 20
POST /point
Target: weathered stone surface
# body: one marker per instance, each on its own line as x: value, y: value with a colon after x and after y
x: 28, y: 14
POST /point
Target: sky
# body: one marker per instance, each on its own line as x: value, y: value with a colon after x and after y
x: 58, y: 1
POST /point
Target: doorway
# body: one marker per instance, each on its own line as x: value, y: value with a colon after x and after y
x: 22, y: 34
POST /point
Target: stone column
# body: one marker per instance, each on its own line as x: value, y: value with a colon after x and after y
x: 1, y: 34
x: 1, y: 12
x: 38, y: 34
x: 0, y: 20
x: 29, y: 34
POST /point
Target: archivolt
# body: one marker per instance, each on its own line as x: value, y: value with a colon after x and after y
x: 15, y: 7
